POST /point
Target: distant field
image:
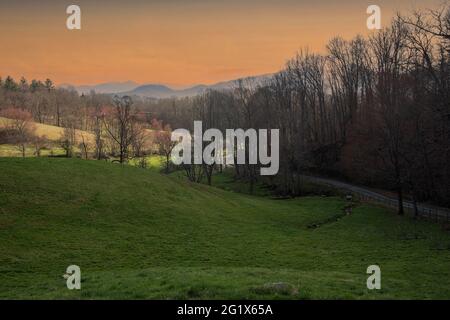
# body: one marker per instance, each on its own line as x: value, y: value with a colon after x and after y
x: 139, y: 234
x: 153, y: 162
x: 54, y: 133
x: 7, y: 150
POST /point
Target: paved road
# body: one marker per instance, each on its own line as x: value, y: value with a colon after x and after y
x: 431, y: 212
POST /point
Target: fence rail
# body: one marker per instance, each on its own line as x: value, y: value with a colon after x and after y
x: 433, y: 213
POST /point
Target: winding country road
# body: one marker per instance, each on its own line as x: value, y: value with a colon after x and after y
x: 427, y: 211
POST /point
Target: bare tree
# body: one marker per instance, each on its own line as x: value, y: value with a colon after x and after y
x: 141, y: 140
x: 68, y: 140
x: 165, y: 145
x: 84, y: 146
x: 20, y: 126
x: 390, y: 53
x: 121, y: 125
x: 435, y: 22
x: 40, y: 143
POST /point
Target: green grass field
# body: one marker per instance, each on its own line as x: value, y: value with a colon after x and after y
x: 138, y: 234
x: 7, y: 150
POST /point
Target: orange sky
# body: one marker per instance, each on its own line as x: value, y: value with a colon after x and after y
x: 178, y: 42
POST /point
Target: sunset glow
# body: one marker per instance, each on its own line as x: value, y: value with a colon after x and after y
x: 173, y: 42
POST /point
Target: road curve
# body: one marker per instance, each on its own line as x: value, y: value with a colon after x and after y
x: 427, y: 211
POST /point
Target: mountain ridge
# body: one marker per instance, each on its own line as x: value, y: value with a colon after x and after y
x: 159, y: 91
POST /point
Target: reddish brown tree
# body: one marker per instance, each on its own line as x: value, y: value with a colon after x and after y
x: 19, y: 124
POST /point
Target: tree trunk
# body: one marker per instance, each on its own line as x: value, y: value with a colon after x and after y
x: 122, y: 155
x: 400, y: 201
x: 167, y: 163
x: 416, y: 210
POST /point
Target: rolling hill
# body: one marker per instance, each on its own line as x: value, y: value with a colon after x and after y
x: 54, y: 133
x: 139, y: 234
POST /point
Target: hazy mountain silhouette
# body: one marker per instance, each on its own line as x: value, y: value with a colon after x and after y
x: 109, y: 87
x: 162, y: 91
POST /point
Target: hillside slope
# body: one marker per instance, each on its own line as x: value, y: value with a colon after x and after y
x: 53, y: 133
x: 138, y: 234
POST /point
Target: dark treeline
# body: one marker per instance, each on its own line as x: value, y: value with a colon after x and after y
x: 374, y: 110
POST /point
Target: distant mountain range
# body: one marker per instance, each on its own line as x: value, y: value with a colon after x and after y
x: 110, y: 87
x: 159, y: 90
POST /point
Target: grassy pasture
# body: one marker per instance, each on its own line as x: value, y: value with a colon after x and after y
x: 138, y: 234
x: 54, y: 133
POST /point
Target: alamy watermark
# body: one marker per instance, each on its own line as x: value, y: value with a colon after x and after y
x: 239, y: 147
x: 73, y: 21
x: 374, y: 20
x: 73, y: 277
x: 374, y: 280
